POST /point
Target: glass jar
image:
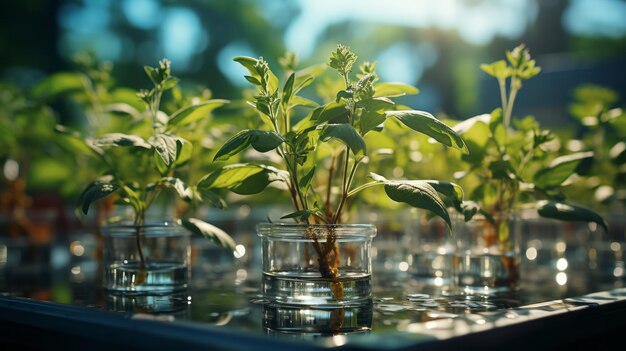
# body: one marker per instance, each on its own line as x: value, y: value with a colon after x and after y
x: 488, y: 259
x: 317, y: 265
x: 432, y: 255
x: 147, y: 259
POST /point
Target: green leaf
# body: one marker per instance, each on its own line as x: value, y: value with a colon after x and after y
x: 210, y: 196
x: 253, y: 80
x: 306, y: 180
x: 183, y: 191
x: 123, y: 108
x: 302, y: 215
x: 233, y: 146
x: 184, y: 150
x: 120, y: 139
x: 499, y: 134
x: 342, y: 59
x: 160, y: 164
x: 243, y: 179
x: 166, y: 147
x: 394, y: 89
x: 346, y: 134
x: 378, y: 104
x: 153, y: 74
x: 344, y: 94
x: 502, y: 169
x: 72, y: 140
x: 452, y: 191
x: 334, y: 112
x: 210, y: 232
x: 170, y: 83
x: 495, y: 119
x: 248, y: 63
x: 418, y: 194
x: 370, y: 120
x: 498, y: 69
x: 474, y: 132
x: 195, y: 112
x: 566, y: 212
x: 302, y: 83
x: 469, y: 124
x: 377, y: 177
x: 300, y: 101
x: 426, y: 123
x: 288, y: 88
x: 469, y: 209
x: 264, y: 141
x: 261, y: 141
x: 559, y: 170
x: 373, y: 114
x: 59, y: 83
x: 98, y: 189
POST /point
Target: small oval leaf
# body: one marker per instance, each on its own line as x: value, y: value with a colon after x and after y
x: 559, y: 170
x: 333, y: 112
x: 210, y: 232
x: 450, y: 190
x: 566, y: 212
x: 426, y: 123
x: 97, y: 189
x: 264, y: 141
x: 195, y: 112
x: 243, y: 178
x: 288, y: 88
x: 166, y: 147
x: 346, y: 134
x: 418, y: 194
x: 120, y: 139
x: 261, y: 141
x: 394, y: 89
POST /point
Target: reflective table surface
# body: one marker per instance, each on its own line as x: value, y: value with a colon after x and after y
x: 55, y: 289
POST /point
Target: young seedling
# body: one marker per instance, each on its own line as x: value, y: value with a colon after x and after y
x: 142, y: 164
x: 603, y: 131
x: 513, y: 162
x: 322, y: 150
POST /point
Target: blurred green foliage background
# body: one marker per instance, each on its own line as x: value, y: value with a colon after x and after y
x: 437, y: 46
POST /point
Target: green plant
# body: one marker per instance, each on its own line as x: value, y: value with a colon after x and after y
x: 603, y: 131
x: 514, y: 163
x: 30, y: 160
x: 141, y: 165
x: 321, y: 149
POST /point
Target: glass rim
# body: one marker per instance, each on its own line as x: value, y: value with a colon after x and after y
x: 151, y: 228
x: 296, y: 230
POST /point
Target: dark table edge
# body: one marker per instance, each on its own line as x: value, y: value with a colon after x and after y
x: 27, y: 324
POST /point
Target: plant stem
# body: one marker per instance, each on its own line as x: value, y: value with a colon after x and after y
x: 502, y: 85
x: 331, y: 172
x: 345, y: 191
x: 509, y: 107
x: 138, y: 223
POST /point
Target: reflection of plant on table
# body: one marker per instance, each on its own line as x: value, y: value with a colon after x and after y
x: 320, y: 150
x: 515, y: 163
x: 149, y: 158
